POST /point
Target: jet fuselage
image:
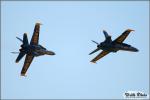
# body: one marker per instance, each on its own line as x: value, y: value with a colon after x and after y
x: 108, y: 45
x: 114, y: 47
x: 32, y: 49
x: 35, y: 50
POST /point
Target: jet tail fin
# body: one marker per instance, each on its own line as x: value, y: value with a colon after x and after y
x: 25, y: 42
x: 107, y: 36
x: 25, y: 39
x: 94, y: 51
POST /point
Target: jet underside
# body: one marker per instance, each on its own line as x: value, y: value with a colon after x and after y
x: 114, y: 47
x: 32, y: 49
x: 36, y: 50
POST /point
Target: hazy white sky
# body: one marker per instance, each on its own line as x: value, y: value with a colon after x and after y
x: 68, y: 28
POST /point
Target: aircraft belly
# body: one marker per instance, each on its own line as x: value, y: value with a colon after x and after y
x: 110, y: 48
x: 39, y: 52
x: 125, y: 47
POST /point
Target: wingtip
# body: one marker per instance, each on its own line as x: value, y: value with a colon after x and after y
x: 38, y: 23
x: 23, y: 75
x: 16, y: 61
x: 136, y: 50
x: 130, y: 30
x: 93, y: 62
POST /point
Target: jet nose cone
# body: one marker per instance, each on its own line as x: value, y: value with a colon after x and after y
x: 136, y: 50
x: 53, y: 53
x: 50, y: 53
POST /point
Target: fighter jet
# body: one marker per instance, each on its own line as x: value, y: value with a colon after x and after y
x: 108, y: 45
x: 34, y: 49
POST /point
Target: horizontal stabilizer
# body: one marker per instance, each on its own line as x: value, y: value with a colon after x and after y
x: 15, y: 52
x: 19, y: 39
x: 94, y: 51
x: 94, y: 42
x: 20, y: 56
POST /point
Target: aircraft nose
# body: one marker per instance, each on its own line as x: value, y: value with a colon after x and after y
x: 50, y: 53
x: 53, y: 53
x: 136, y: 50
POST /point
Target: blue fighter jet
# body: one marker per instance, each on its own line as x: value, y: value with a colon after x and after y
x: 112, y: 46
x: 32, y: 49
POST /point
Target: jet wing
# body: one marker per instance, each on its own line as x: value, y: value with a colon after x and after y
x: 26, y: 65
x: 35, y: 36
x: 123, y: 36
x: 94, y: 51
x: 99, y: 56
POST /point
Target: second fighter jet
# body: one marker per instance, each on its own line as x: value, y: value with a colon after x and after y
x: 112, y: 46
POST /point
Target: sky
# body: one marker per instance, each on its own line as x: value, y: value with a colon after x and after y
x: 68, y: 28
